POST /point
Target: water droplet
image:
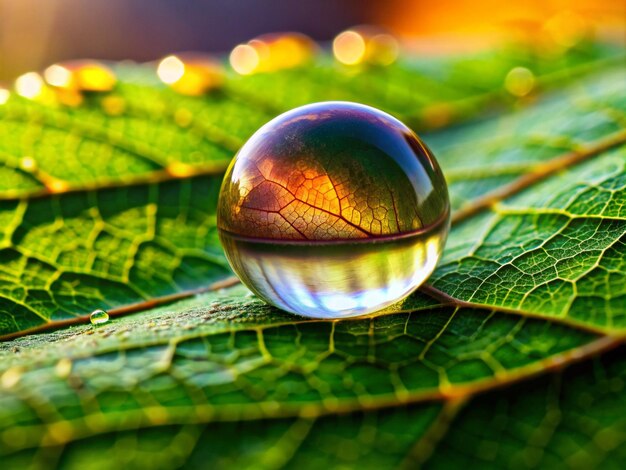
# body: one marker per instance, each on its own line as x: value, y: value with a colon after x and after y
x: 333, y: 210
x: 519, y: 81
x: 63, y: 368
x: 11, y: 377
x: 28, y: 164
x: 98, y: 317
x: 55, y: 185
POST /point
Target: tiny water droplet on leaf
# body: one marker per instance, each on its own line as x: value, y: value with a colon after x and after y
x: 98, y: 317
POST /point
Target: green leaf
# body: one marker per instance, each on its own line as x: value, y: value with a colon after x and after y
x: 119, y: 213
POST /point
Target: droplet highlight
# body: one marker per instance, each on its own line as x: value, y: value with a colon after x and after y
x: 98, y: 317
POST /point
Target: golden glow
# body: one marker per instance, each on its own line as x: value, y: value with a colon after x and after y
x: 349, y: 48
x: 113, y: 105
x: 437, y: 115
x: 11, y: 377
x: 519, y: 81
x: 191, y: 74
x: 4, y: 96
x: 94, y: 77
x: 180, y: 170
x: 366, y: 44
x: 58, y: 76
x: 30, y: 85
x: 270, y: 52
x: 78, y: 76
x: 566, y: 28
x: 28, y: 164
x: 383, y: 49
x: 55, y: 185
x: 63, y: 368
x: 244, y: 59
x: 170, y: 69
x: 183, y: 117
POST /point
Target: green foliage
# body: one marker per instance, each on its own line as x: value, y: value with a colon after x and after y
x: 466, y: 371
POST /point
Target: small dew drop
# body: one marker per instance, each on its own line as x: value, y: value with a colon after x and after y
x: 98, y: 317
x: 55, y: 185
x: 63, y: 368
x: 519, y: 81
x: 11, y: 377
x: 28, y: 164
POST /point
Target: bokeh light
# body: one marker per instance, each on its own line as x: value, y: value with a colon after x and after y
x: 519, y: 81
x: 244, y: 59
x: 30, y: 85
x: 191, y: 74
x: 366, y: 45
x: 170, y: 69
x: 271, y: 52
x: 349, y: 48
x: 57, y: 76
x: 4, y: 95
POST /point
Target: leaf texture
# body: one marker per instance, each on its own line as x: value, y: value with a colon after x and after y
x: 470, y: 370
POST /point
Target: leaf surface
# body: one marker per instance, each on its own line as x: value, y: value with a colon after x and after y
x: 118, y: 212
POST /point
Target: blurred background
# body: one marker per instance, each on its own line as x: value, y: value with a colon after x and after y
x: 36, y: 33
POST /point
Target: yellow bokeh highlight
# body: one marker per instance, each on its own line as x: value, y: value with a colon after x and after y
x: 271, y: 52
x: 80, y: 76
x: 519, y: 81
x: 191, y: 74
x: 28, y: 164
x: 54, y: 185
x: 180, y: 170
x: 366, y: 45
x: 30, y: 85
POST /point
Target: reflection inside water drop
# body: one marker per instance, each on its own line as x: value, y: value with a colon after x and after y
x: 98, y: 317
x: 335, y: 280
